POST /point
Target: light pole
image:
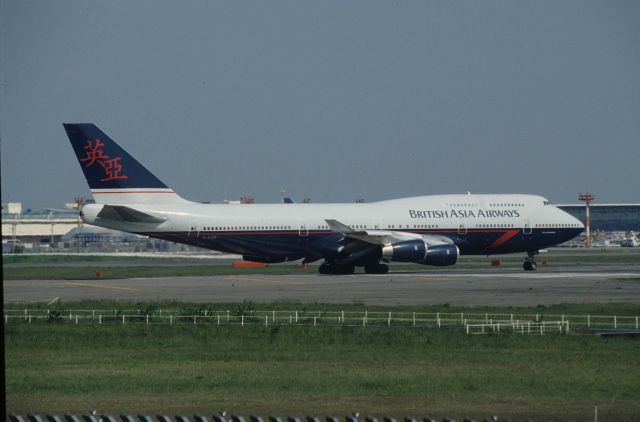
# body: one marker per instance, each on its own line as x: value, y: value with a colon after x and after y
x: 587, y: 198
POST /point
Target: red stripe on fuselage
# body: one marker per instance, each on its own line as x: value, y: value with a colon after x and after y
x: 450, y: 232
x: 130, y: 191
x: 504, y: 238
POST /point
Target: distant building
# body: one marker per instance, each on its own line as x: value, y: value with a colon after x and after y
x: 243, y: 200
x: 93, y: 234
x: 37, y: 228
x: 62, y: 231
x: 12, y: 208
x: 608, y: 217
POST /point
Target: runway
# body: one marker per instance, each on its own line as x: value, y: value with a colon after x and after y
x: 498, y: 287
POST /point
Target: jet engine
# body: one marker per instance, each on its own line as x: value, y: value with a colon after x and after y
x: 408, y: 251
x: 442, y: 255
x: 417, y: 251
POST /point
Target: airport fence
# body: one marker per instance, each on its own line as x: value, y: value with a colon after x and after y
x: 94, y: 417
x: 473, y: 322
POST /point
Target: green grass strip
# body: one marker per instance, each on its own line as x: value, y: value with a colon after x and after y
x: 301, y: 370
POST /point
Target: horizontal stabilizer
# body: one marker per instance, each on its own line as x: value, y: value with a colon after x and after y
x: 129, y: 215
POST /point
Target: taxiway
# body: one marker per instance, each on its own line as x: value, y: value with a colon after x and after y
x: 498, y: 287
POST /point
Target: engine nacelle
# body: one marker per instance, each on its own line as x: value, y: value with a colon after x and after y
x: 408, y: 251
x: 419, y: 252
x: 442, y: 255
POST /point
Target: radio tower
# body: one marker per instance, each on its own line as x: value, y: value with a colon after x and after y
x: 587, y: 198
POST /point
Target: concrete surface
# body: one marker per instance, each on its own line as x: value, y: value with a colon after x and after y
x: 457, y: 287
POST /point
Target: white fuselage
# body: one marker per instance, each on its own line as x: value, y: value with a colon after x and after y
x: 451, y: 215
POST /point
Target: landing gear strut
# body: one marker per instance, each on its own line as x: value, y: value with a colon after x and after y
x: 529, y: 262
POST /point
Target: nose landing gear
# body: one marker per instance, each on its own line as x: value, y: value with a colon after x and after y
x: 529, y: 262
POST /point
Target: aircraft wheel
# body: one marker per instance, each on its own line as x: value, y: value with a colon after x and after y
x: 383, y: 268
x: 325, y: 269
x: 336, y: 269
x: 529, y: 266
x: 345, y: 269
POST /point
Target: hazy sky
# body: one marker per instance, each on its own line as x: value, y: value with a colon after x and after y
x: 327, y: 99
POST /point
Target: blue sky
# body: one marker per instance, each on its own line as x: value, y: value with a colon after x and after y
x: 331, y: 100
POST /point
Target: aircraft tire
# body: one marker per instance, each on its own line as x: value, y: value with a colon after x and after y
x: 325, y: 269
x: 336, y: 269
x: 345, y: 269
x: 529, y: 266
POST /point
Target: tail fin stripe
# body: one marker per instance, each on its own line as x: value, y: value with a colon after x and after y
x: 123, y: 192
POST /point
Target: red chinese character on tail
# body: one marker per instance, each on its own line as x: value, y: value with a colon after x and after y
x: 112, y: 167
x: 94, y: 152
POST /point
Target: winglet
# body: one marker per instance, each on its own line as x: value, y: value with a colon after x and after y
x: 338, y: 227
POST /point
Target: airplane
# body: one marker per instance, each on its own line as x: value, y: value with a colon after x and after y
x: 431, y: 230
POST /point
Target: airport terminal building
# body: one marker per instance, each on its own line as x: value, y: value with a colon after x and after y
x: 607, y: 217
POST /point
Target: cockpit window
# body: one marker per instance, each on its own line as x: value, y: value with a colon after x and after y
x: 545, y: 202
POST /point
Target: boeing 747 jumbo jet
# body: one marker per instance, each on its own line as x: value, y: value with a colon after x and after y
x: 429, y: 230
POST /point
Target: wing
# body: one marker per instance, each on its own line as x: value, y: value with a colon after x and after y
x: 386, y: 237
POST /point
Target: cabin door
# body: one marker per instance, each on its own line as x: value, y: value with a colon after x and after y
x: 526, y: 227
x: 193, y: 230
x: 303, y: 228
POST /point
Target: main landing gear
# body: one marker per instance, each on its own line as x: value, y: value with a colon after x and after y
x: 328, y: 268
x: 529, y: 262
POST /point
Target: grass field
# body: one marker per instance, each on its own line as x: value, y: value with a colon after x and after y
x: 30, y: 267
x: 331, y: 370
x: 297, y: 370
x: 69, y: 258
